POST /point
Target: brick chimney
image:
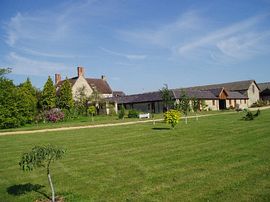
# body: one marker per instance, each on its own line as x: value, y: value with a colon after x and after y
x: 57, y: 78
x: 80, y: 71
x: 103, y: 77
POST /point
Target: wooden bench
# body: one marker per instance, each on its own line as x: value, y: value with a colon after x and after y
x: 144, y: 115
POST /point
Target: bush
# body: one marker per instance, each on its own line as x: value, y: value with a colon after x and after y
x: 133, y: 113
x: 259, y: 103
x: 121, y: 113
x: 54, y: 115
x: 249, y: 116
x: 172, y: 117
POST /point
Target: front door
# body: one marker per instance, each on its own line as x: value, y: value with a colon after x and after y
x: 222, y: 104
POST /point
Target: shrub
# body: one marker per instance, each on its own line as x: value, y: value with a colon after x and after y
x: 54, y: 115
x: 248, y: 116
x: 133, y: 113
x: 172, y: 117
x: 121, y: 113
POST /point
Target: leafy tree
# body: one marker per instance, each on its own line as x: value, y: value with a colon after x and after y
x: 166, y: 97
x: 42, y: 156
x: 48, y: 98
x: 28, y: 104
x: 81, y: 101
x: 121, y: 113
x: 195, y: 106
x: 172, y: 117
x: 65, y: 99
x: 184, y: 104
x: 10, y: 116
x: 4, y: 71
x: 92, y: 110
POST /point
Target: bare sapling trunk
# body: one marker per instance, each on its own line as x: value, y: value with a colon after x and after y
x: 196, y: 117
x: 50, y: 181
x: 92, y: 117
x: 186, y: 119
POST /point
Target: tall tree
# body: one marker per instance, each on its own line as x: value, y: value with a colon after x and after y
x: 65, y: 99
x: 166, y: 97
x: 48, y: 100
x: 28, y: 104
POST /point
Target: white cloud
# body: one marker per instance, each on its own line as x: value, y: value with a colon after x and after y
x: 220, y: 34
x: 166, y: 35
x: 23, y: 65
x: 128, y: 56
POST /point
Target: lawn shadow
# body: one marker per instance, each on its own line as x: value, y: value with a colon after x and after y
x: 20, y: 189
x: 160, y: 128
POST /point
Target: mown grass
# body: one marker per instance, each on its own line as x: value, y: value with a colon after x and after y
x: 87, y: 120
x: 219, y: 158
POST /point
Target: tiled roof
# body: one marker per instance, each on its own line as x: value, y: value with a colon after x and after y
x: 232, y: 86
x: 199, y: 94
x: 264, y: 86
x: 236, y: 95
x: 99, y: 84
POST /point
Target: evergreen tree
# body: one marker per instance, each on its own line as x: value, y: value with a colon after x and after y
x: 28, y: 101
x: 48, y: 99
x: 65, y: 99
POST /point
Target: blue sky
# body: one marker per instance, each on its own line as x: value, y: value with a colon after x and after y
x: 139, y: 45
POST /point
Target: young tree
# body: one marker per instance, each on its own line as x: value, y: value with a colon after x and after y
x: 48, y: 99
x: 195, y: 106
x: 184, y: 104
x: 42, y: 156
x: 81, y: 101
x: 166, y: 97
x: 65, y: 99
x: 92, y: 110
x: 121, y: 113
x: 172, y: 117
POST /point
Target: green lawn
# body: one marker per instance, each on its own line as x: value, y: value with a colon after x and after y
x: 219, y: 158
x: 84, y: 120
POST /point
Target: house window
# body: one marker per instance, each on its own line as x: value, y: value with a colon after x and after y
x: 253, y: 89
x: 245, y: 101
x: 230, y: 102
x: 213, y: 102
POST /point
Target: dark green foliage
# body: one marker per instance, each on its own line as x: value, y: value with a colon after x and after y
x: 81, y: 104
x: 166, y: 97
x: 48, y: 98
x: 65, y: 99
x: 249, y: 116
x: 40, y: 156
x: 258, y: 112
x: 133, y: 113
x: 4, y: 71
x: 10, y: 116
x: 28, y: 104
x: 121, y: 113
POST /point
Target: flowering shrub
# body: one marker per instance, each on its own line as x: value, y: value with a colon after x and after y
x: 54, y: 115
x: 172, y: 117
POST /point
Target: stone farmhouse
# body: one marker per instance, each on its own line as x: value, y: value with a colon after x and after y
x: 88, y: 84
x: 240, y: 94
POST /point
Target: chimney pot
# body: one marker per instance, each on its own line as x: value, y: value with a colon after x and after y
x: 80, y: 71
x: 57, y: 78
x: 103, y: 77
